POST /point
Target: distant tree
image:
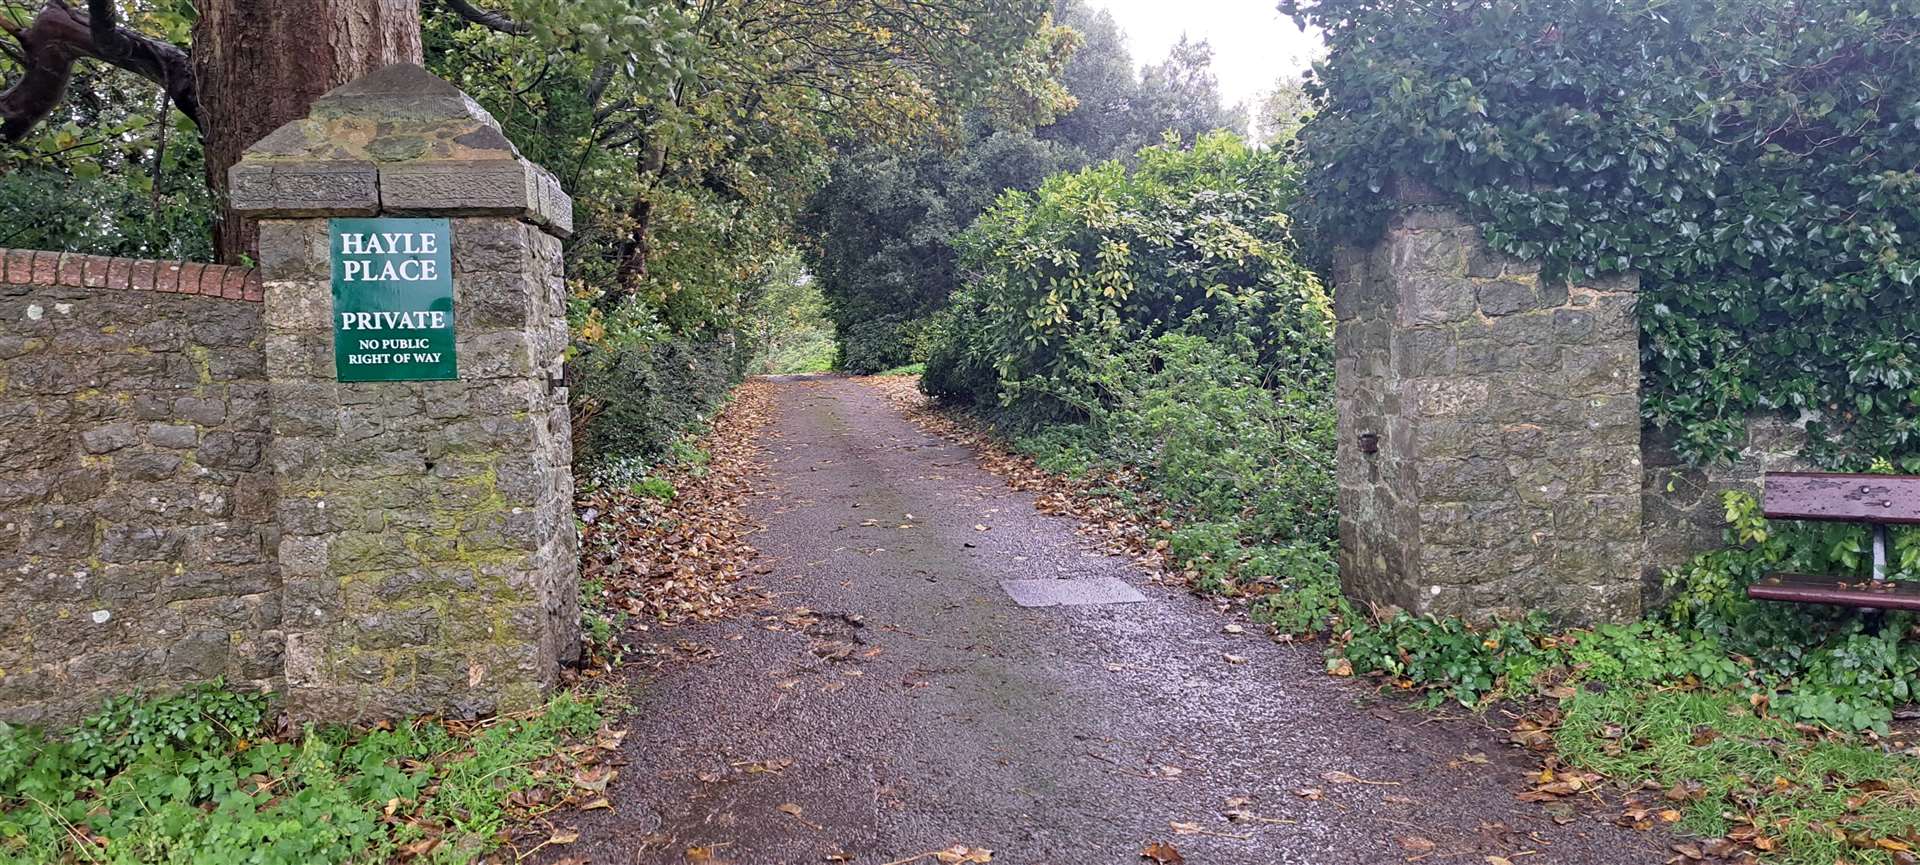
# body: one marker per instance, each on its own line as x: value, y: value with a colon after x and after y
x: 882, y: 231
x: 1182, y: 95
x: 1283, y: 110
x: 1101, y: 78
x: 1120, y: 108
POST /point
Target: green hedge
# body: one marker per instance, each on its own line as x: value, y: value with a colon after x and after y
x: 634, y: 398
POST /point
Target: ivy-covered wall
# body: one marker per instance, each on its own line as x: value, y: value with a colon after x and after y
x: 1755, y: 163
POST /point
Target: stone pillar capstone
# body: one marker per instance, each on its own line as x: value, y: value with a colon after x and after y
x: 1489, y: 423
x: 427, y: 542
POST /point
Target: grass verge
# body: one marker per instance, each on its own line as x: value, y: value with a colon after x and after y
x: 214, y: 777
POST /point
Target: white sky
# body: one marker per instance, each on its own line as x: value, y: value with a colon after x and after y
x: 1253, y: 44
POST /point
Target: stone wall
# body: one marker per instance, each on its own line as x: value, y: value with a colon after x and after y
x: 187, y: 492
x: 1489, y: 454
x: 136, y: 510
x: 428, y: 541
x: 1682, y: 507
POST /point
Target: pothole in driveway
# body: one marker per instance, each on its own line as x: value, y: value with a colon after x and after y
x: 836, y: 636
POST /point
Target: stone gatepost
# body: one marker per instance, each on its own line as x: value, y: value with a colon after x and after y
x: 427, y: 542
x: 1489, y: 451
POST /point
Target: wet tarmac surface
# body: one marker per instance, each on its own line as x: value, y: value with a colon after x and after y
x: 894, y: 700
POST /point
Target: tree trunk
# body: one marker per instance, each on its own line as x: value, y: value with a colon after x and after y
x: 260, y: 65
x: 638, y: 244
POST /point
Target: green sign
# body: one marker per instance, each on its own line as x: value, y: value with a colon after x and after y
x: 392, y: 300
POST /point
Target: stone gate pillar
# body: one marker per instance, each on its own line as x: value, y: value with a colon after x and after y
x: 1489, y: 451
x: 427, y: 542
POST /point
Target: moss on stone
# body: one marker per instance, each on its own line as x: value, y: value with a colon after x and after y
x: 202, y: 358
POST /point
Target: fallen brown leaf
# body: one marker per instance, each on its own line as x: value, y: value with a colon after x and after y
x: 1161, y: 852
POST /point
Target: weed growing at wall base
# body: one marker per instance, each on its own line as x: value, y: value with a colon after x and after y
x: 208, y: 777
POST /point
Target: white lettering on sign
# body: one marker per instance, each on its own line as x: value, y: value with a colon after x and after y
x: 409, y: 270
x: 379, y: 357
x: 420, y: 320
x: 390, y: 270
x: 403, y: 243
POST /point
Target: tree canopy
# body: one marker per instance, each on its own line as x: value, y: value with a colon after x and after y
x: 881, y: 234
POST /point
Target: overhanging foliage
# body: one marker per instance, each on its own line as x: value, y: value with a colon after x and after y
x: 1757, y: 162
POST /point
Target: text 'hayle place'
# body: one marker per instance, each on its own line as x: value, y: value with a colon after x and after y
x: 406, y: 243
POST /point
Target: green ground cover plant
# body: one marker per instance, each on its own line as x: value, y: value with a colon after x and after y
x: 210, y: 777
x: 639, y: 394
x: 1722, y: 769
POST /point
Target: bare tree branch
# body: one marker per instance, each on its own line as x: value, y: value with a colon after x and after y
x: 494, y: 21
x: 59, y: 36
x: 163, y: 63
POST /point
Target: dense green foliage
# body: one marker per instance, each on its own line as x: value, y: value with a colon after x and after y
x: 203, y: 779
x: 1149, y: 324
x: 882, y: 232
x: 1192, y: 240
x: 115, y: 170
x: 1754, y: 161
x: 1238, y: 456
x: 637, y: 394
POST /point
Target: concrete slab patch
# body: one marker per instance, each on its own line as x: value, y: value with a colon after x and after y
x: 1062, y: 593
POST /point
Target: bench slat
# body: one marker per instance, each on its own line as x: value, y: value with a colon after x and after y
x: 1837, y: 591
x: 1842, y: 497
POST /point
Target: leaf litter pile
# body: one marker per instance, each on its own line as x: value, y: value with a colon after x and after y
x: 673, y: 547
x: 667, y: 548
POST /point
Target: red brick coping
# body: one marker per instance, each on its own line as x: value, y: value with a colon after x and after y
x: 73, y: 270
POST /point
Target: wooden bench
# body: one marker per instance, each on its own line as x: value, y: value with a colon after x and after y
x: 1878, y: 500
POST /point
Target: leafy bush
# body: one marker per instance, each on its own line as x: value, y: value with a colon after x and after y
x: 1238, y: 459
x: 202, y: 779
x: 41, y: 208
x: 634, y: 398
x: 871, y: 345
x: 1223, y: 438
x: 1059, y: 279
x: 1754, y: 161
x: 1830, y: 666
x: 883, y: 228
